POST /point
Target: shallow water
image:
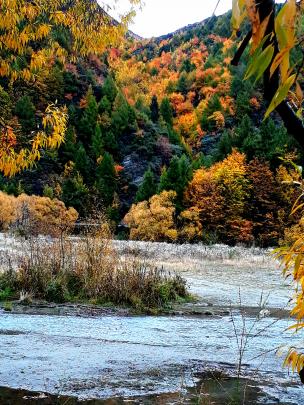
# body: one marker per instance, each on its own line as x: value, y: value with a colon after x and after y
x: 114, y: 356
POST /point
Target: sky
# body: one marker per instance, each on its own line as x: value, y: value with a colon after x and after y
x: 159, y: 17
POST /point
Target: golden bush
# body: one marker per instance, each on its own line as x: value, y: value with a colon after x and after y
x: 153, y: 220
x: 37, y: 215
x: 7, y: 210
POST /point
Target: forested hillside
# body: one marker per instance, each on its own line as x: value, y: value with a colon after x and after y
x: 163, y: 136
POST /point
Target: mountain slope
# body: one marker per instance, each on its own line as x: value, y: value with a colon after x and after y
x: 143, y: 118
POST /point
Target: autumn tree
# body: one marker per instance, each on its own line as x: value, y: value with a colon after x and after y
x: 29, y: 33
x: 291, y: 257
x: 153, y: 220
x: 7, y: 211
x: 220, y: 195
x: 35, y: 215
x: 274, y: 37
x: 264, y: 203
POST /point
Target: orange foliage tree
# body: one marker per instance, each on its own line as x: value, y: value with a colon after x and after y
x: 220, y: 195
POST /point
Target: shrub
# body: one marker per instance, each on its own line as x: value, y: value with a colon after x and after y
x: 55, y: 292
x: 5, y: 294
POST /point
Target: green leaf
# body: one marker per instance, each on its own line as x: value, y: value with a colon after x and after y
x: 280, y: 95
x: 260, y: 63
x: 280, y: 28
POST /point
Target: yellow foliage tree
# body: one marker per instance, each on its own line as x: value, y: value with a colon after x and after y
x: 28, y: 47
x: 7, y: 210
x: 191, y: 227
x: 35, y: 215
x: 153, y: 220
x: 218, y: 196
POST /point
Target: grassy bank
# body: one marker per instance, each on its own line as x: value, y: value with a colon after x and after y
x: 86, y: 269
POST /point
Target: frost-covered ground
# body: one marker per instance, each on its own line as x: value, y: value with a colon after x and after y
x: 219, y: 273
x: 101, y: 357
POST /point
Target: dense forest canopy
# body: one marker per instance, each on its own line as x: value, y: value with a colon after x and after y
x: 142, y: 118
x: 196, y: 136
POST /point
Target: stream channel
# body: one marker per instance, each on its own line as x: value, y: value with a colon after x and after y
x: 189, y: 356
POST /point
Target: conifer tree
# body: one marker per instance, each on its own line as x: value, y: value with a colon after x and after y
x: 170, y: 177
x: 123, y: 116
x: 176, y: 177
x: 25, y: 111
x: 109, y: 89
x: 82, y: 162
x: 5, y: 105
x: 154, y: 108
x: 88, y: 122
x: 166, y: 111
x: 182, y: 84
x: 97, y: 142
x: 75, y: 194
x: 104, y: 105
x: 106, y: 182
x: 148, y: 187
x: 185, y: 172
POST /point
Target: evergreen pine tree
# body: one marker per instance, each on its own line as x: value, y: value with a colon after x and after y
x: 82, y: 162
x: 97, y: 142
x: 147, y: 188
x: 76, y: 194
x: 166, y: 111
x: 214, y: 104
x: 25, y: 111
x: 109, y: 89
x: 170, y: 178
x: 244, y: 129
x: 5, y: 105
x: 106, y: 182
x: 88, y: 122
x: 176, y: 178
x: 185, y: 172
x: 154, y: 108
x: 68, y: 148
x: 182, y: 84
x: 104, y: 105
x: 123, y: 116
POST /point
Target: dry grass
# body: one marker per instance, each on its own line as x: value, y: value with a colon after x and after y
x: 64, y: 269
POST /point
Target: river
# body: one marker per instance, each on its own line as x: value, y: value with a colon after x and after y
x: 139, y: 356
